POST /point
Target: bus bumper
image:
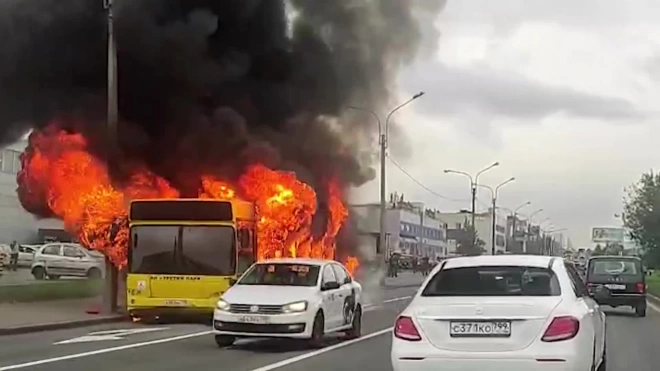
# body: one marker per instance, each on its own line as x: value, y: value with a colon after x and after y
x: 149, y: 309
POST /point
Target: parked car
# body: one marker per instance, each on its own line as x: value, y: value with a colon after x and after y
x: 503, y: 312
x: 54, y: 260
x: 5, y: 255
x: 26, y: 254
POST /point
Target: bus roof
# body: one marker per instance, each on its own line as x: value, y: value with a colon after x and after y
x: 191, y: 209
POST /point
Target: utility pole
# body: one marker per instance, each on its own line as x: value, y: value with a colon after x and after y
x: 494, y: 194
x: 383, y: 138
x: 473, y: 208
x: 474, y: 182
x: 529, y: 226
x: 515, y: 218
x: 110, y: 292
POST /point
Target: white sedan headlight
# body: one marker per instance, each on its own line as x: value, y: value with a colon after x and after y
x: 299, y: 306
x: 222, y: 305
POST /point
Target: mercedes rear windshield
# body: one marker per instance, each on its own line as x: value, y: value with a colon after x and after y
x: 493, y: 281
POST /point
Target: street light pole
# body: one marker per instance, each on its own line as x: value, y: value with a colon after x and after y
x: 545, y: 240
x: 111, y: 291
x: 473, y: 188
x: 515, y: 217
x: 383, y: 141
x: 494, y: 194
x: 529, y: 223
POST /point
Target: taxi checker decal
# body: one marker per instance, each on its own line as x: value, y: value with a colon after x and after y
x: 176, y: 278
x: 349, y: 307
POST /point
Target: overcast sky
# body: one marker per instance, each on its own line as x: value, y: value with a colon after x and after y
x: 562, y: 93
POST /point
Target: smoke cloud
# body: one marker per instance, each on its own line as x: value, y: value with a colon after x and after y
x: 211, y: 86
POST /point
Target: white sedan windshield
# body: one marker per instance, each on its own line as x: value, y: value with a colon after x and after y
x: 281, y: 274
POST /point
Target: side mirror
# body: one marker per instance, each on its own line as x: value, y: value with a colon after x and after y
x: 330, y: 286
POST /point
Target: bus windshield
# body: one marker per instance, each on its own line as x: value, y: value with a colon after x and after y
x: 185, y: 250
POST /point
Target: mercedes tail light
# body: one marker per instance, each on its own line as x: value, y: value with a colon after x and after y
x: 405, y: 329
x: 561, y: 328
x: 640, y: 287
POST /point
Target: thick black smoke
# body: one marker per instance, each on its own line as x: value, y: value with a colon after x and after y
x: 210, y: 86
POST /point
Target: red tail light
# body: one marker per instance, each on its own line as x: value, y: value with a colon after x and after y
x: 405, y: 329
x: 640, y: 287
x: 561, y: 328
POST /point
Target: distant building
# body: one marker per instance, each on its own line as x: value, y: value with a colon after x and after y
x: 16, y: 223
x: 517, y: 231
x: 410, y: 228
x: 456, y: 223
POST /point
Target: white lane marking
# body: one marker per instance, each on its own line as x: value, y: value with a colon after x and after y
x: 104, y: 350
x: 315, y: 353
x: 183, y: 337
x: 110, y: 335
x: 397, y: 299
x: 653, y: 306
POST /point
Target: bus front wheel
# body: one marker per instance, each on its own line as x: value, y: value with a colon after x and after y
x: 224, y: 340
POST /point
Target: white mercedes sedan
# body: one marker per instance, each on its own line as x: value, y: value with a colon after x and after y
x: 501, y: 313
x: 290, y: 298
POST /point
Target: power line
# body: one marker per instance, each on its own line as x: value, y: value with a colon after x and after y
x: 396, y: 164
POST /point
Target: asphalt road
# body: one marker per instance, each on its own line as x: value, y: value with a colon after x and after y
x: 633, y: 344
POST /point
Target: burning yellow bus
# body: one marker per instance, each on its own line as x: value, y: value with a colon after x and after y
x: 183, y: 254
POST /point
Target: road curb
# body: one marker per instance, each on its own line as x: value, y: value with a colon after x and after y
x: 61, y: 325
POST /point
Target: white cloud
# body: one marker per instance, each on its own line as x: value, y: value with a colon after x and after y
x: 563, y: 94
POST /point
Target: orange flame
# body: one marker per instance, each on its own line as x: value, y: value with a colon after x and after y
x: 59, y: 172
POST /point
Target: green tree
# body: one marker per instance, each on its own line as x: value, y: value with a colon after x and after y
x: 469, y: 242
x: 641, y: 215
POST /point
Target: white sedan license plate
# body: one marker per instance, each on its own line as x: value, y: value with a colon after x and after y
x: 480, y: 329
x: 615, y: 287
x: 176, y: 303
x: 253, y: 319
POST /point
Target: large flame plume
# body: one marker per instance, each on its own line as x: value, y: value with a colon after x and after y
x: 58, y: 171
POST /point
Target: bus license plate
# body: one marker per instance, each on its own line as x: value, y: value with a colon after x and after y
x: 176, y: 303
x: 253, y: 319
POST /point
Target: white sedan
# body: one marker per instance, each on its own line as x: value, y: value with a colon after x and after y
x: 290, y: 298
x: 499, y: 313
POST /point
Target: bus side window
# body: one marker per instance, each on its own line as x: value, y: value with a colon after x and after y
x: 245, y: 250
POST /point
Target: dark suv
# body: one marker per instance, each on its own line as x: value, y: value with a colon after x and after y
x: 618, y: 281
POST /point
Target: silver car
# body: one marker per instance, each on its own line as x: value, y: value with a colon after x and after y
x: 54, y: 260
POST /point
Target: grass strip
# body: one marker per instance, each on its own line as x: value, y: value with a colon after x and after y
x: 51, y: 290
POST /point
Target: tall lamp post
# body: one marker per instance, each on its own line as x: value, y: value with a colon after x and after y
x: 494, y: 193
x: 111, y: 291
x: 473, y: 187
x: 515, y: 217
x: 383, y: 141
x: 545, y: 240
x: 530, y: 219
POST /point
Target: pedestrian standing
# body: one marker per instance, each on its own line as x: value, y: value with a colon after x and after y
x: 13, y: 262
